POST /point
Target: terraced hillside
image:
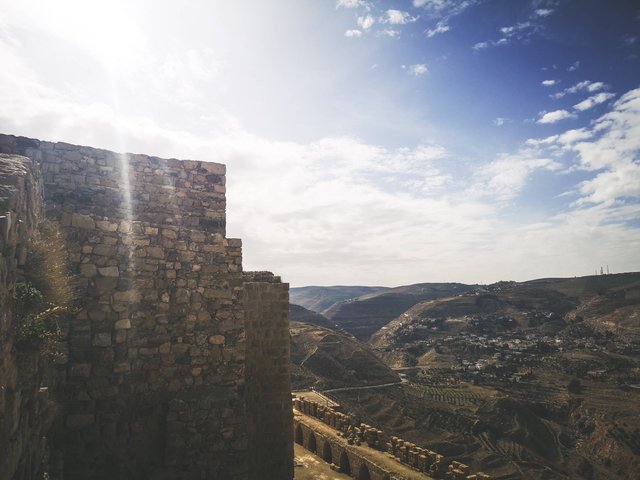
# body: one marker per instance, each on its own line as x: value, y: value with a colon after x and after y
x: 535, y: 380
x: 364, y: 315
x: 323, y: 359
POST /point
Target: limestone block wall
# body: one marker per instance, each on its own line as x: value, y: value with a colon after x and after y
x: 268, y: 377
x: 154, y: 384
x: 25, y: 411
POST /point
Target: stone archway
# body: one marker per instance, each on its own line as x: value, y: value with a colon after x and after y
x: 363, y: 472
x: 298, y: 437
x: 311, y: 444
x: 327, y: 455
x: 345, y: 466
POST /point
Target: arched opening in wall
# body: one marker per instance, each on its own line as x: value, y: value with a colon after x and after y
x: 299, y: 437
x: 345, y: 466
x: 363, y: 473
x: 312, y: 443
x: 327, y: 456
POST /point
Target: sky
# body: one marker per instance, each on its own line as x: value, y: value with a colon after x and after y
x: 366, y: 142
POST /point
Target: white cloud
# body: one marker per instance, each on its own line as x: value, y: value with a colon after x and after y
x: 366, y: 22
x: 609, y: 148
x: 595, y: 86
x: 481, y: 45
x: 499, y: 121
x: 593, y: 100
x: 397, y: 17
x: 389, y: 32
x: 585, y: 85
x: 555, y: 116
x: 351, y: 3
x: 515, y: 28
x: 432, y: 4
x: 418, y: 69
x: 570, y: 137
x: 543, y: 12
x: 574, y: 66
x: 505, y: 177
x: 341, y: 210
x: 519, y: 32
x: 549, y: 83
x: 441, y: 27
x: 353, y: 33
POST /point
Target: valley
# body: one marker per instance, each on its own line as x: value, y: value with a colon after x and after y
x: 531, y: 380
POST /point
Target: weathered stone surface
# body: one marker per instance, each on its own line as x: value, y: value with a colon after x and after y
x: 101, y: 340
x: 109, y: 271
x: 88, y: 270
x: 128, y: 296
x: 161, y: 316
x: 123, y: 324
x: 82, y: 221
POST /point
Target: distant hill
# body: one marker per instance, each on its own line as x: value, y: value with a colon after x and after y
x: 300, y: 314
x: 324, y: 358
x: 364, y: 315
x: 543, y: 306
x: 319, y: 299
x: 531, y: 380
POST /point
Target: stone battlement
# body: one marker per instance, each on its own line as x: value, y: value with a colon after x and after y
x: 157, y: 379
x: 357, y: 433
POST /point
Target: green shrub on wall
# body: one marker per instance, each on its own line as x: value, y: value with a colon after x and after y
x: 46, y: 267
x: 45, y: 295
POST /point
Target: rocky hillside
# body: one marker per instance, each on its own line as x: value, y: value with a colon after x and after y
x: 539, y: 307
x: 320, y: 299
x: 364, y: 315
x: 300, y: 314
x: 532, y: 380
x: 323, y: 358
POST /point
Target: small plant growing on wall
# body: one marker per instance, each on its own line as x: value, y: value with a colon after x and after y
x: 46, y: 293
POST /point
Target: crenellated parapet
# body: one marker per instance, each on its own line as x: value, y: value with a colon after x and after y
x: 406, y: 453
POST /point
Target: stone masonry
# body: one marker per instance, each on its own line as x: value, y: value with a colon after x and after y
x: 174, y: 355
x: 26, y: 414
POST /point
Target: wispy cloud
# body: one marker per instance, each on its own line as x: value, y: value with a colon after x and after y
x: 500, y: 121
x: 481, y: 45
x: 505, y: 177
x: 351, y: 3
x: 549, y: 83
x: 543, y: 12
x: 583, y: 86
x: 593, y: 100
x: 353, y: 33
x: 441, y: 27
x: 417, y: 69
x: 519, y: 32
x: 389, y: 32
x: 574, y: 66
x: 436, y: 5
x: 443, y: 11
x: 555, y: 116
x: 397, y: 17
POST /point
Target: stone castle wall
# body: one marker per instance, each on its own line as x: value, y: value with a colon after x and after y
x: 154, y: 384
x: 351, y: 433
x: 268, y: 374
x: 26, y: 414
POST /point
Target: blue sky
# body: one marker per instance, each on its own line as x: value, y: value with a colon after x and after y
x: 367, y: 142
